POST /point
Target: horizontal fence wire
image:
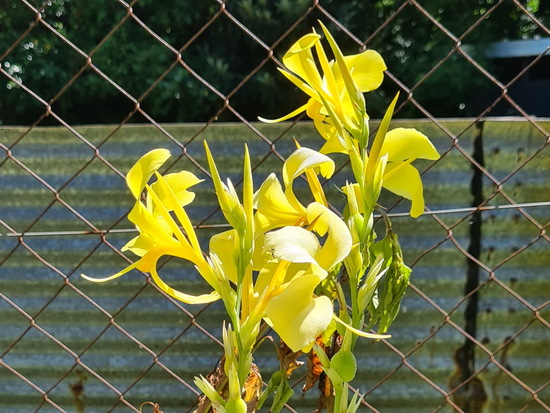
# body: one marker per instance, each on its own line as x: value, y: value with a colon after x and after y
x: 66, y: 345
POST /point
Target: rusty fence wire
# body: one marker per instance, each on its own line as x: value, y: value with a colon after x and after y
x: 473, y: 332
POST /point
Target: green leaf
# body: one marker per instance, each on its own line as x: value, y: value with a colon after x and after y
x: 345, y: 364
x: 355, y: 403
x: 374, y: 154
x: 281, y: 396
x: 282, y: 392
x: 273, y: 383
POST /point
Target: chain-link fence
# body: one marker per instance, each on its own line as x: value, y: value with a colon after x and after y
x: 472, y: 334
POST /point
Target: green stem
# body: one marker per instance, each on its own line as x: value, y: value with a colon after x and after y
x: 338, y: 393
x: 244, y: 349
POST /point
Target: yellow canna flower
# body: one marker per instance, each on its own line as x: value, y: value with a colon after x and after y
x: 273, y: 207
x: 285, y: 285
x: 336, y: 103
x: 159, y: 234
x: 401, y: 146
x: 276, y: 207
x: 297, y: 315
x: 289, y: 305
x: 338, y: 139
x: 293, y: 262
x: 284, y: 289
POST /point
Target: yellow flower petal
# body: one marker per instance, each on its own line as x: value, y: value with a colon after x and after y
x: 367, y: 69
x: 350, y: 85
x: 164, y: 214
x: 291, y: 271
x: 299, y: 59
x: 265, y: 277
x: 273, y: 208
x: 300, y: 84
x: 325, y: 126
x: 112, y: 277
x: 330, y: 86
x: 338, y: 243
x: 407, y: 143
x: 152, y: 258
x: 139, y: 245
x: 303, y: 159
x: 286, y: 117
x: 334, y: 142
x: 180, y: 213
x: 296, y: 315
x: 144, y: 168
x: 155, y: 228
x: 179, y: 183
x: 223, y: 245
x: 294, y: 244
x: 404, y: 180
x: 259, y: 256
x: 315, y: 110
x: 179, y: 246
x: 360, y: 332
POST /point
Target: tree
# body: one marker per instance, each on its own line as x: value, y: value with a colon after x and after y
x: 225, y: 53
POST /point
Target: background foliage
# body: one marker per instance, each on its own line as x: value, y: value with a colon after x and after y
x: 224, y: 54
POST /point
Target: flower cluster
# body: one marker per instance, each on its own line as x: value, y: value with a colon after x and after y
x: 280, y: 262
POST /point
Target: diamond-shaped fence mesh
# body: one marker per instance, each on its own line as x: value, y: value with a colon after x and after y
x: 480, y: 255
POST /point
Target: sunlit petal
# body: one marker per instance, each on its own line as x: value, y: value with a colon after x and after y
x: 152, y: 258
x: 112, y: 277
x: 296, y: 315
x: 139, y: 245
x: 260, y: 255
x: 349, y: 104
x: 338, y: 243
x: 404, y: 180
x: 334, y: 142
x: 292, y: 271
x: 286, y: 117
x: 179, y: 183
x: 294, y: 244
x: 407, y: 143
x: 360, y: 332
x: 155, y: 228
x: 367, y: 69
x: 223, y: 245
x: 180, y: 213
x: 303, y: 159
x: 330, y: 85
x: 164, y: 213
x: 265, y: 276
x: 315, y: 110
x: 144, y: 169
x: 299, y: 59
x: 273, y: 208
